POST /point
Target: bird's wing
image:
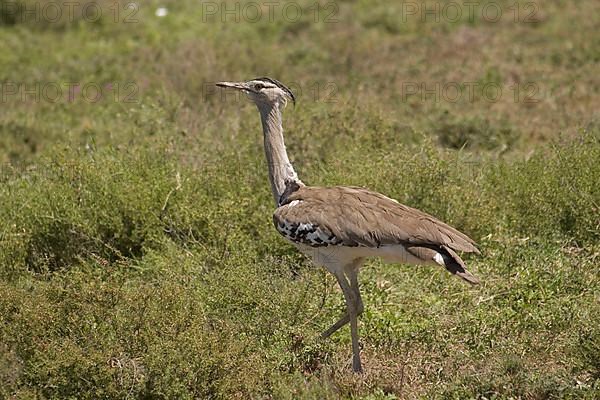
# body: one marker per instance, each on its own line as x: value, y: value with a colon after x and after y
x: 352, y: 216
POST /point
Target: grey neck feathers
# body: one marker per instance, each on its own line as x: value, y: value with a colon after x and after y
x: 280, y: 167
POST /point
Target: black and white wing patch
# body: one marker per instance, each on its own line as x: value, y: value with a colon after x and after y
x: 301, y: 230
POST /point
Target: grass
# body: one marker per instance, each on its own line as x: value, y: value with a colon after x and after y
x: 137, y: 256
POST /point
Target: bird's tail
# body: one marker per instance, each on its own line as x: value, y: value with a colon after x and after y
x: 455, y: 265
x: 445, y: 256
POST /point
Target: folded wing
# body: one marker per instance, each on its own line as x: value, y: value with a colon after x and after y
x: 352, y: 217
x: 360, y: 217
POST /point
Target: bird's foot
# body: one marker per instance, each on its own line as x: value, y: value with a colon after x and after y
x: 356, y: 365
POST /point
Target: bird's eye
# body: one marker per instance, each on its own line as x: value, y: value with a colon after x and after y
x: 259, y: 86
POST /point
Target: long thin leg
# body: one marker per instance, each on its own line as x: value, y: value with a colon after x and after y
x: 353, y: 277
x: 335, y: 327
x: 352, y: 313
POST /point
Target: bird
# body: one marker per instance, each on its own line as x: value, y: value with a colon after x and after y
x: 340, y: 227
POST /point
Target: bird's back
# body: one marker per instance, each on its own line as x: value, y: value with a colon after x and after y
x: 357, y: 217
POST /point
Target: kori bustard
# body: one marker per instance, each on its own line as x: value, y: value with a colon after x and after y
x: 339, y: 227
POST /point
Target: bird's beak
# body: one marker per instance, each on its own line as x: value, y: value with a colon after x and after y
x: 234, y: 85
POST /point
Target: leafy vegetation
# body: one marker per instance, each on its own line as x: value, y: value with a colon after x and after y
x: 137, y: 256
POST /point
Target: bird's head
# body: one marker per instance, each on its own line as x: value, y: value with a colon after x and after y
x: 263, y: 91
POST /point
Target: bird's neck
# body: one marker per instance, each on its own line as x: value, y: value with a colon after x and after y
x: 280, y: 167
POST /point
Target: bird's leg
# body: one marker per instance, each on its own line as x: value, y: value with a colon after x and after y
x: 346, y: 318
x: 353, y: 277
x: 358, y: 307
x: 351, y: 303
x: 334, y: 328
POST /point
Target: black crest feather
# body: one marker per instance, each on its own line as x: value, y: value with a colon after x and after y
x: 279, y: 84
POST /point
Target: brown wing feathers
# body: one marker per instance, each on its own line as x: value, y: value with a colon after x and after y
x: 361, y: 217
x: 358, y: 217
x: 457, y: 266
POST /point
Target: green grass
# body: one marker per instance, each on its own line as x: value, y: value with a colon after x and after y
x: 137, y: 255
